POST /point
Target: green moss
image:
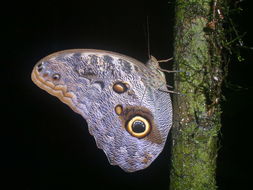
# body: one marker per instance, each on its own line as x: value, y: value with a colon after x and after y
x: 197, y: 114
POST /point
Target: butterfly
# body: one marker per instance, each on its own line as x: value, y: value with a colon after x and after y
x: 125, y: 102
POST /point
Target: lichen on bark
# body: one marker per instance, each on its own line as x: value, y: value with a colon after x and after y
x: 197, y: 111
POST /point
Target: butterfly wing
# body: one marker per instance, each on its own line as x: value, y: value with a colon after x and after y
x: 118, y: 96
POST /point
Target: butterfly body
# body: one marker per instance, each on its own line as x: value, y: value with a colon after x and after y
x: 118, y: 96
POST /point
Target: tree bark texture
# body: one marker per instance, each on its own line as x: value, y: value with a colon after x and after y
x: 197, y: 54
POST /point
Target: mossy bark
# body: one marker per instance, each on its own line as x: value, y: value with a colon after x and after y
x: 197, y: 53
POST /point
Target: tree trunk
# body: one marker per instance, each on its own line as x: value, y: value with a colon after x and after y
x: 197, y: 53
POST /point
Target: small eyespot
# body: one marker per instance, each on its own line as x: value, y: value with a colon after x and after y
x: 120, y: 87
x: 40, y: 67
x: 138, y: 127
x: 118, y: 109
x: 56, y: 76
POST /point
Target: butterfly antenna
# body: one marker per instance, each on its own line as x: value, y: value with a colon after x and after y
x: 148, y: 40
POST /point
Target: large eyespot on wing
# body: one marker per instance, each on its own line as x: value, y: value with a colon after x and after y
x: 139, y: 122
x: 138, y: 126
x: 137, y: 140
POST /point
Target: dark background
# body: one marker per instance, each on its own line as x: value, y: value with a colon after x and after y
x: 45, y: 145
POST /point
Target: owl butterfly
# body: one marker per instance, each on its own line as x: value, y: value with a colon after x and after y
x: 124, y: 102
